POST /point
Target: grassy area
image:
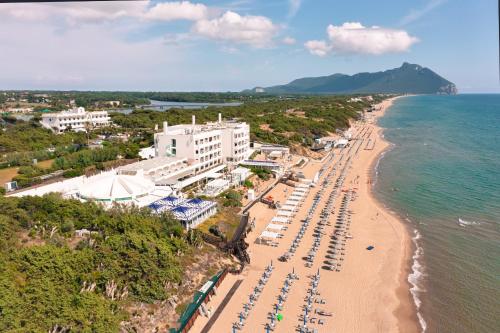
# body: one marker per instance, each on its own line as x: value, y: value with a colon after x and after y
x: 227, y: 220
x: 7, y: 174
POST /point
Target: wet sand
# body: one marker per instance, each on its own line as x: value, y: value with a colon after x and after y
x: 370, y: 293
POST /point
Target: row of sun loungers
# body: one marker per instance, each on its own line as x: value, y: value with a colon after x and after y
x: 253, y: 297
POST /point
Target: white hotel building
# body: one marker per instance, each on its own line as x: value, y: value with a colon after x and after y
x: 206, y: 145
x: 76, y: 119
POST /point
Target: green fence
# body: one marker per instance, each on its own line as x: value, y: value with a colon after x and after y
x: 189, y: 315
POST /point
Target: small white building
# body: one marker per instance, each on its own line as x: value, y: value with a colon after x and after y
x: 239, y: 175
x: 76, y: 119
x: 275, y: 150
x: 216, y: 187
x: 341, y: 143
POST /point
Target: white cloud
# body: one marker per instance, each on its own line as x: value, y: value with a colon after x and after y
x: 257, y: 31
x: 289, y: 40
x: 416, y: 14
x: 354, y: 38
x: 98, y: 12
x: 318, y: 47
x: 293, y: 7
x: 183, y: 10
x: 74, y: 12
x: 209, y: 22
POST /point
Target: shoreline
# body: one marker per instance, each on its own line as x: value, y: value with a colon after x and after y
x: 407, y: 312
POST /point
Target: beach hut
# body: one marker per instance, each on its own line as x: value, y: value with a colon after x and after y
x: 296, y: 198
x: 291, y: 203
x: 275, y: 226
x: 284, y: 213
x: 269, y: 234
x: 280, y: 219
x: 291, y: 208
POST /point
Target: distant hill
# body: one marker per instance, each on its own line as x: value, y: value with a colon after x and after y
x: 407, y: 79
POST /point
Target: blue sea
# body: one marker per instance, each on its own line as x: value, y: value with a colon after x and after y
x: 442, y: 175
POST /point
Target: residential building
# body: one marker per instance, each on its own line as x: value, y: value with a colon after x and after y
x: 76, y: 119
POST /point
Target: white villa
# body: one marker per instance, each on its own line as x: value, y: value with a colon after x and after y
x: 76, y: 119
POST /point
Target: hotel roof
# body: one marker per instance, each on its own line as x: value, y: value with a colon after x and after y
x: 151, y: 164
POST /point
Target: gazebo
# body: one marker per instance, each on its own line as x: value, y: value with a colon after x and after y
x: 190, y: 212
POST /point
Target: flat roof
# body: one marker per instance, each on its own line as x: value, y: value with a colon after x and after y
x: 153, y: 163
x: 200, y: 128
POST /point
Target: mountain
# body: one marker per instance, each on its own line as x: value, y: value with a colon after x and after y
x: 407, y: 79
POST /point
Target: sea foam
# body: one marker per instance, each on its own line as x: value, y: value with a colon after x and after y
x: 415, y: 277
x: 464, y: 223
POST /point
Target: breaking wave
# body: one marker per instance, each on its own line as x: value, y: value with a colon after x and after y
x: 415, y: 277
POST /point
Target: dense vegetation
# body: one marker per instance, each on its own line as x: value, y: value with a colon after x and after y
x: 22, y: 141
x: 22, y: 136
x: 48, y: 277
x: 282, y: 121
x: 60, y: 100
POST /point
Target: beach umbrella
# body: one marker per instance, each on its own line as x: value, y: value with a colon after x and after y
x: 279, y: 317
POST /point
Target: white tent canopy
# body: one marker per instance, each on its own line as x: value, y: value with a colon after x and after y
x: 291, y: 203
x: 289, y: 207
x: 279, y: 219
x: 295, y: 198
x: 275, y: 226
x: 284, y: 213
x: 298, y: 194
x: 301, y: 185
x: 113, y: 187
x: 269, y: 234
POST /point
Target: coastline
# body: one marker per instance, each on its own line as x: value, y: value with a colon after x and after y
x: 407, y: 309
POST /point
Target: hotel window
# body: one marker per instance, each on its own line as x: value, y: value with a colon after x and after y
x: 174, y: 143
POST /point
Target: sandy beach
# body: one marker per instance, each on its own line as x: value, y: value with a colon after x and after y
x: 368, y: 292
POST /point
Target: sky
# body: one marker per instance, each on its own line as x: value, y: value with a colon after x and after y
x: 231, y: 45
